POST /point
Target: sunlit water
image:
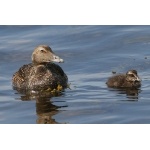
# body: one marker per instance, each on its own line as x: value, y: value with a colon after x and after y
x: 91, y: 53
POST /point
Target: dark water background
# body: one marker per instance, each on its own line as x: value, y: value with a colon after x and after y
x: 91, y: 53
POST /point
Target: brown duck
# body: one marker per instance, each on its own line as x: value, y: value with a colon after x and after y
x: 130, y: 79
x: 41, y: 74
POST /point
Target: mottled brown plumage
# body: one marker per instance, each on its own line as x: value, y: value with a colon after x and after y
x: 41, y: 74
x: 130, y: 79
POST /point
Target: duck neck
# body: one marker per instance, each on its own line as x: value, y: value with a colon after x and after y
x: 42, y: 63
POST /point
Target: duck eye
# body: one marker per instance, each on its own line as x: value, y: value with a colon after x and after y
x: 42, y: 51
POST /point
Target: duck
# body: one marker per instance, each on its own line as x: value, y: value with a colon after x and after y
x: 42, y: 73
x: 128, y: 80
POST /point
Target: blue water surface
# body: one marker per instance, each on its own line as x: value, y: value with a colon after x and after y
x: 91, y: 53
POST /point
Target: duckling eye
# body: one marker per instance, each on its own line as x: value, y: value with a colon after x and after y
x: 131, y: 75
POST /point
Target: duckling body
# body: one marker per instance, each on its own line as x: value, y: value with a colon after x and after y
x: 130, y: 79
x: 42, y: 73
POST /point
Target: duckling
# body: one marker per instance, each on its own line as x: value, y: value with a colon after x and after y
x: 42, y: 73
x: 130, y: 79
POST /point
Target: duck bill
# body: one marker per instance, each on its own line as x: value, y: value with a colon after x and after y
x: 138, y: 79
x: 57, y: 59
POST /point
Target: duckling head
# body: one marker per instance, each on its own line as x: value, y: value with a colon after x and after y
x: 132, y: 76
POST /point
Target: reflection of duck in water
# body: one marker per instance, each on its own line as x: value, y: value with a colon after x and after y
x: 41, y: 74
x: 45, y: 109
x: 128, y: 80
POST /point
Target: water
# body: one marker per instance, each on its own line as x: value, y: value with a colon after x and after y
x: 91, y: 53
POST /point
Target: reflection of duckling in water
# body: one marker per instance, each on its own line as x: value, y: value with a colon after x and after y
x: 132, y: 93
x: 128, y: 80
x: 41, y: 74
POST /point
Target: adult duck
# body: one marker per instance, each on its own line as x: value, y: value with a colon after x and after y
x: 42, y: 73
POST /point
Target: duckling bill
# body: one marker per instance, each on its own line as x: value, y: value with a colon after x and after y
x: 42, y: 73
x: 128, y: 80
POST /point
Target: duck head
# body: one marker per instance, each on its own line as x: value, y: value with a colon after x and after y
x: 43, y: 54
